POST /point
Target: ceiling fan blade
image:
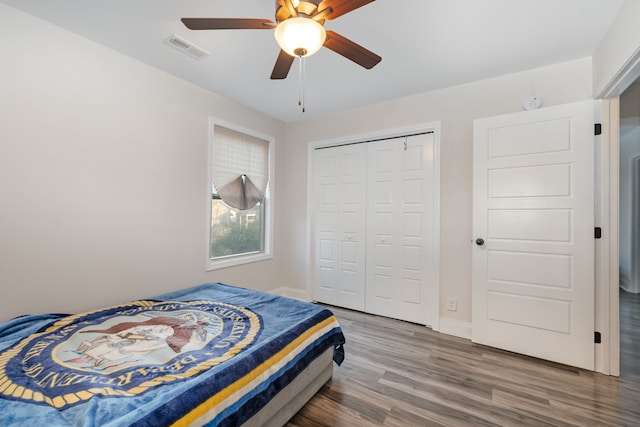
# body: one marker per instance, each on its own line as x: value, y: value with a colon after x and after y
x: 228, y: 24
x: 340, y: 7
x: 282, y: 67
x: 351, y: 50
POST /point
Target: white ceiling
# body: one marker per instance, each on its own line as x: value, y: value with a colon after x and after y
x: 425, y: 45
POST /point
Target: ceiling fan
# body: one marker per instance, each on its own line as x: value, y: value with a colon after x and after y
x: 299, y: 31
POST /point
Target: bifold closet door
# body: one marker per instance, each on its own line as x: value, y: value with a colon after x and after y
x: 339, y: 225
x: 400, y: 235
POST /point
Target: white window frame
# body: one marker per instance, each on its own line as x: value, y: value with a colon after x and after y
x: 267, y: 251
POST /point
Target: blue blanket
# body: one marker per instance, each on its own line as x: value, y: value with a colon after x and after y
x: 213, y: 353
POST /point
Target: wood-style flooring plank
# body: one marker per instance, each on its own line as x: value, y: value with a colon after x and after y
x: 399, y: 374
x: 629, y: 334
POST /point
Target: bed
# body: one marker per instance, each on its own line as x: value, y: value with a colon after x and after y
x: 213, y: 355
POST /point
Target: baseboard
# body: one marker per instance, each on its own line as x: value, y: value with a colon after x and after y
x: 457, y: 328
x: 453, y: 327
x: 291, y: 293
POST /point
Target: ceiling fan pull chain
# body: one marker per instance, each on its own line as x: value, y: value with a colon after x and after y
x: 304, y: 72
x: 301, y: 82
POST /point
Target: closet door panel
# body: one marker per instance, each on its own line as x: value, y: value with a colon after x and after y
x: 351, y: 226
x: 340, y: 224
x: 400, y: 185
x: 382, y: 289
x: 326, y: 228
x: 416, y: 219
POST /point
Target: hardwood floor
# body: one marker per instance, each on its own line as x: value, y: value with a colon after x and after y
x: 400, y: 374
x: 629, y: 334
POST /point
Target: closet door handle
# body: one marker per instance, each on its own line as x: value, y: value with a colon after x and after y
x: 479, y: 242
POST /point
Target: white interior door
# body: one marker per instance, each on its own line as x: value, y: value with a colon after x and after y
x: 400, y: 235
x: 339, y: 253
x: 533, y: 206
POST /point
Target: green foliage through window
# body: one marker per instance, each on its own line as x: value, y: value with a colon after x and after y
x: 234, y: 231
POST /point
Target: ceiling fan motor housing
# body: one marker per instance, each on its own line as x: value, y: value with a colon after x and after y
x: 308, y: 8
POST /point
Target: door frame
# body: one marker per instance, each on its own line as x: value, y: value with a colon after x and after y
x: 607, y: 256
x: 434, y: 306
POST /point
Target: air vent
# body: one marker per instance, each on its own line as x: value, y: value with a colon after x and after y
x: 186, y: 47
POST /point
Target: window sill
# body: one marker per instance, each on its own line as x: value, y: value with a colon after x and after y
x: 234, y: 261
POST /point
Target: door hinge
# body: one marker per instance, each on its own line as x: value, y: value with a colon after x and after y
x: 598, y: 233
x: 597, y: 128
x: 597, y: 338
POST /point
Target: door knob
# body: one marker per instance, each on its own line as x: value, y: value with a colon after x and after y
x: 479, y: 242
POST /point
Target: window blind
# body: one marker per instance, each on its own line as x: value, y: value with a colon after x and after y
x: 240, y: 169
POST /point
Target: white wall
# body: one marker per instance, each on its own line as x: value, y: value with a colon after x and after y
x: 455, y: 108
x: 103, y: 171
x: 103, y: 175
x: 617, y: 58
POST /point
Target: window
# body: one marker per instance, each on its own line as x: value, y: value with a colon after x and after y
x: 239, y: 176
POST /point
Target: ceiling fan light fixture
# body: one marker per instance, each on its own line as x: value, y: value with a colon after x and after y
x: 300, y: 36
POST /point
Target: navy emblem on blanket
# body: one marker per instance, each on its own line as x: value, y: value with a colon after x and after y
x: 124, y: 350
